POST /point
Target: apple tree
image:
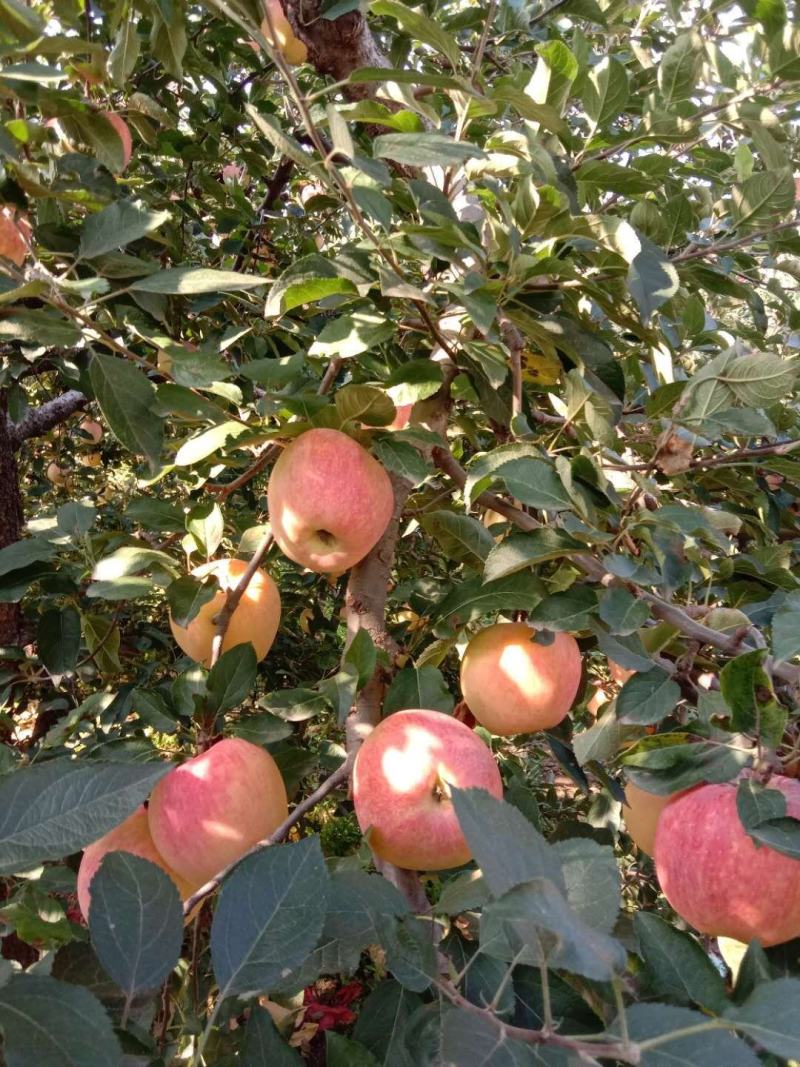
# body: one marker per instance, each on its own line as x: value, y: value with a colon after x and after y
x: 399, y: 512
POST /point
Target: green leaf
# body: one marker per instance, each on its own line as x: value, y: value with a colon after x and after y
x: 135, y: 922
x: 474, y: 598
x: 58, y: 639
x: 553, y: 75
x: 748, y: 692
x: 652, y: 279
x: 269, y: 917
x: 401, y: 459
x: 190, y: 281
x: 39, y: 327
x: 52, y: 809
x: 468, y: 1038
x: 648, y: 698
x: 785, y: 633
x: 362, y: 656
x: 706, y: 1042
x: 232, y: 677
x: 208, y: 443
x: 124, y: 54
x: 676, y: 966
x: 605, y: 92
x: 462, y: 538
x: 665, y: 765
x: 506, y: 847
x: 592, y: 880
x: 127, y: 399
x: 55, y: 1024
x: 116, y: 226
x: 350, y: 335
x: 424, y: 149
x: 571, y: 610
x: 187, y: 595
x: 622, y: 612
x: 22, y: 553
x: 679, y: 67
x: 769, y: 1016
x: 263, y: 1044
x: 764, y: 196
x: 415, y: 380
x: 418, y: 687
x: 522, y: 550
x: 307, y: 281
x: 420, y: 28
x: 342, y: 1051
x: 76, y: 519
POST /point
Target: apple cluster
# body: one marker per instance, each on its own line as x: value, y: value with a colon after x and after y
x: 330, y: 502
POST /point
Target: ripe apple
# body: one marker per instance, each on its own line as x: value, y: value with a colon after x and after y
x: 641, y: 812
x: 209, y: 811
x: 132, y: 835
x: 513, y: 684
x: 714, y: 875
x: 329, y: 501
x: 92, y: 429
x: 124, y: 134
x: 255, y: 619
x: 90, y: 459
x: 401, y: 787
x: 292, y: 48
x: 57, y: 475
x: 14, y: 235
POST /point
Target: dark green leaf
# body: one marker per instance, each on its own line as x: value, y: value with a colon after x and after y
x: 118, y: 225
x: 52, y: 809
x: 677, y: 967
x: 622, y: 612
x: 522, y: 550
x: 187, y: 595
x: 418, y: 687
x: 566, y: 611
x: 264, y: 1045
x: 135, y: 922
x: 769, y: 1016
x: 127, y: 399
x: 58, y: 639
x: 232, y: 677
x: 424, y: 149
x: 748, y: 692
x: 648, y: 698
x: 362, y: 656
x: 191, y: 281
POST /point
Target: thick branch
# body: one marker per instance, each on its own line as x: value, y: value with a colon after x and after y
x: 594, y: 569
x: 43, y: 418
x: 336, y: 47
x: 339, y: 776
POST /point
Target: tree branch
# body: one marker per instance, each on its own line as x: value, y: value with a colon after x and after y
x: 43, y: 418
x: 594, y: 569
x: 591, y: 1050
x: 339, y: 776
x: 223, y: 617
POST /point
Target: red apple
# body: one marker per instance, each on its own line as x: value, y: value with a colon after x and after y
x: 401, y: 787
x: 329, y: 501
x: 717, y: 878
x: 515, y: 685
x: 210, y: 810
x: 92, y: 429
x: 132, y: 835
x: 255, y: 619
x: 15, y: 233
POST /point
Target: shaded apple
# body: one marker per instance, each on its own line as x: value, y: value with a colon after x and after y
x: 206, y: 813
x: 641, y: 812
x: 401, y: 787
x: 714, y: 875
x: 329, y: 501
x: 292, y: 48
x: 132, y: 835
x: 513, y: 684
x: 255, y: 620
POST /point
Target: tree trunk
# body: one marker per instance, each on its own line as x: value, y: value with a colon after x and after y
x: 11, y: 519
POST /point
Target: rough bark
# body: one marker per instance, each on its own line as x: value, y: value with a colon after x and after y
x: 39, y: 420
x: 11, y: 518
x: 336, y: 48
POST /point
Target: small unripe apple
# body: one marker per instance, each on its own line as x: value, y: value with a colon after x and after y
x: 641, y: 812
x: 255, y: 619
x: 401, y: 787
x: 132, y: 835
x: 292, y: 48
x: 515, y: 685
x: 209, y: 811
x: 329, y: 501
x: 92, y: 429
x: 15, y: 234
x: 716, y: 877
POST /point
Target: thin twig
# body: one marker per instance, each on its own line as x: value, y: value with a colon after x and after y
x: 340, y: 775
x: 225, y: 614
